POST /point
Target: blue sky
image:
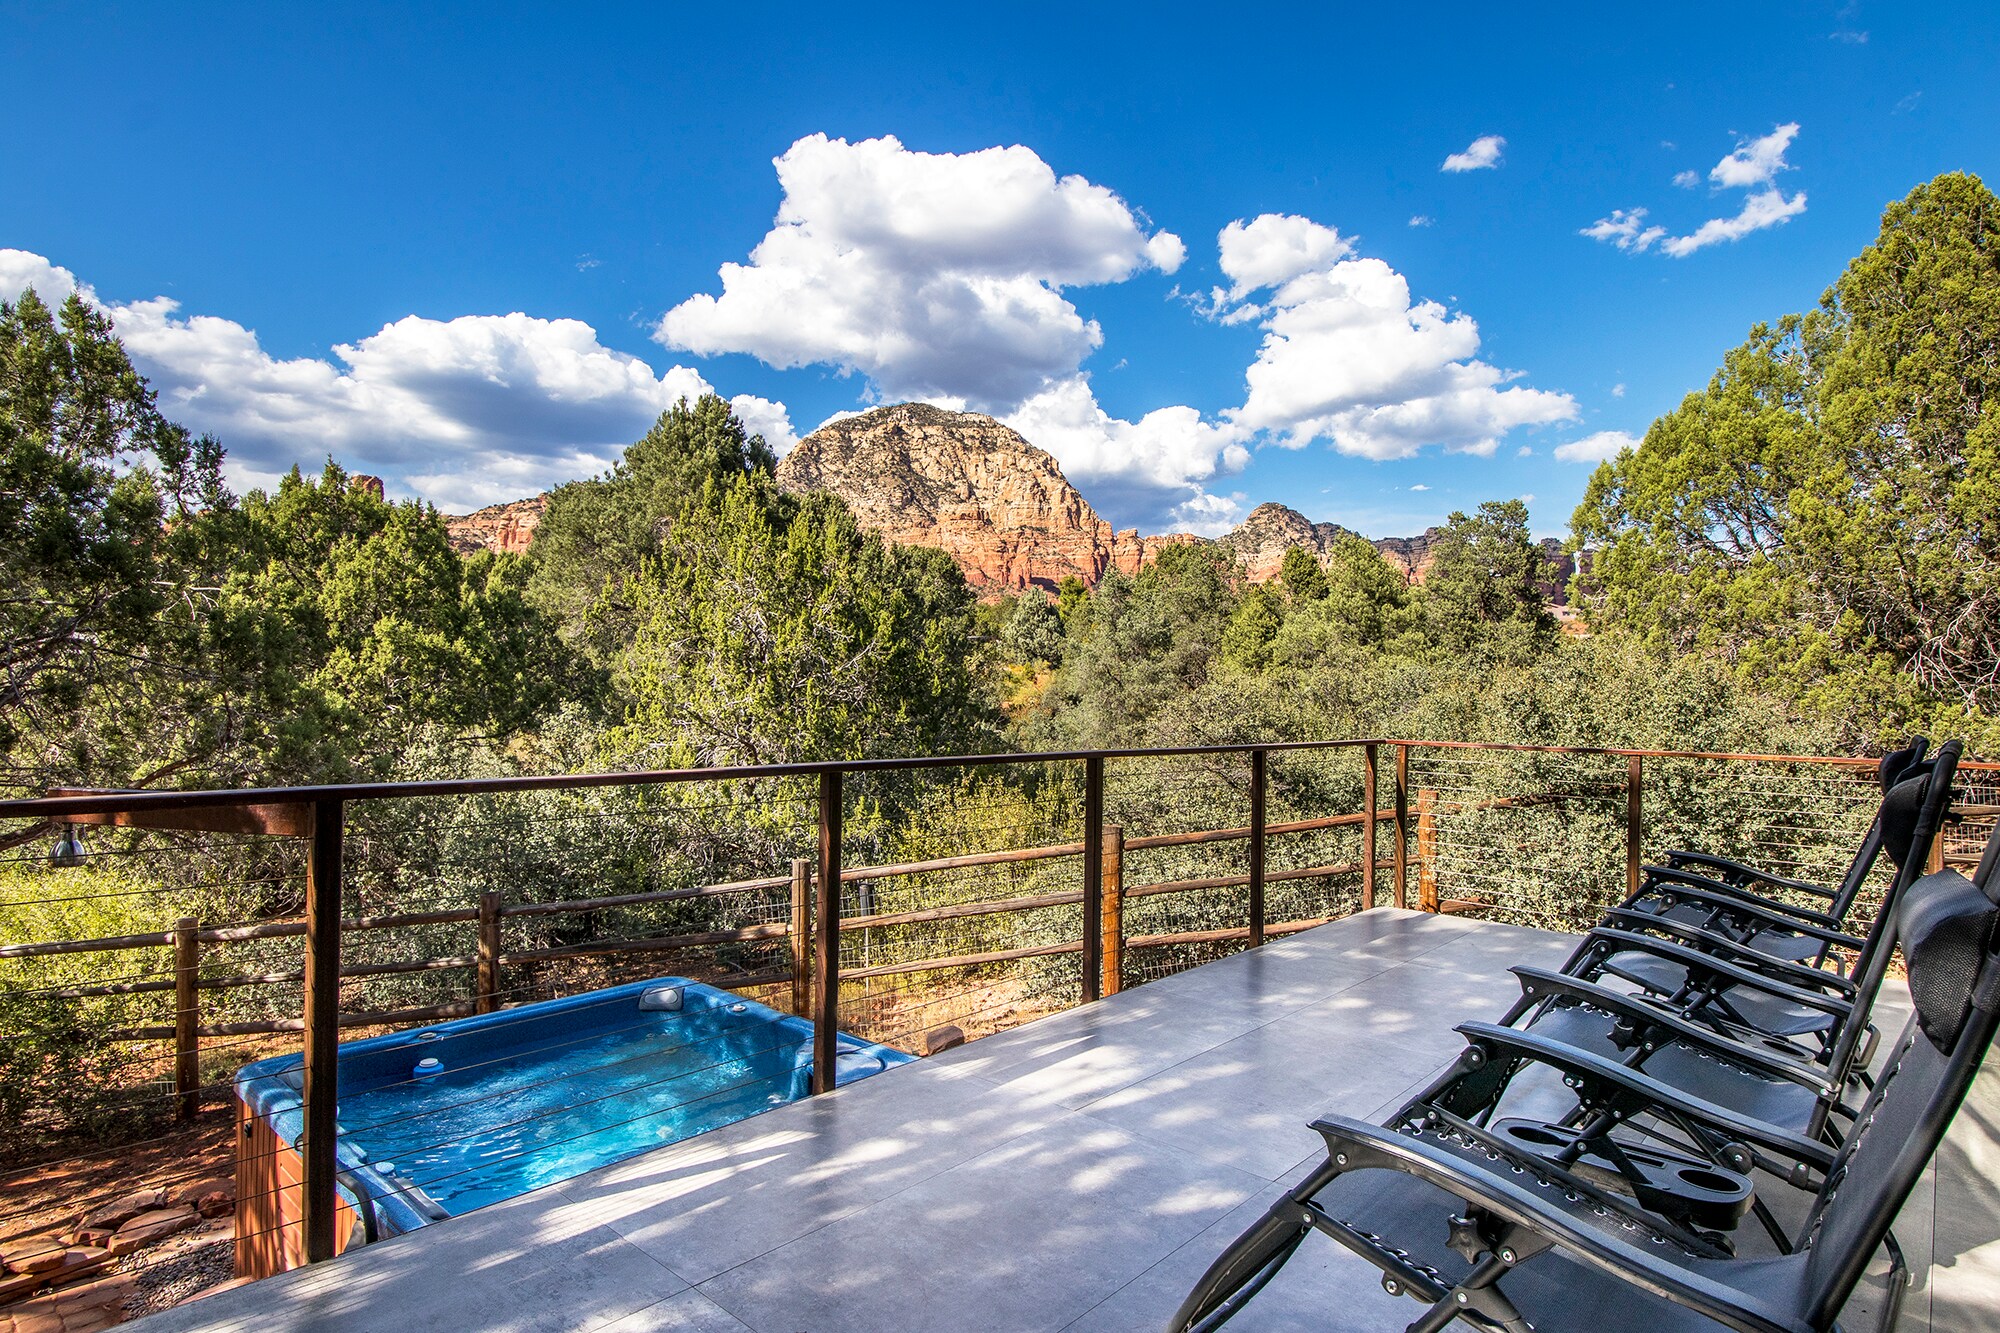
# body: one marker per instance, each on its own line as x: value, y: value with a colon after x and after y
x: 475, y: 248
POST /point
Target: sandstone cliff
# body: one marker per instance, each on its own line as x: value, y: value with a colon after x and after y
x: 507, y: 528
x: 1262, y: 539
x: 1002, y: 508
x: 1412, y: 555
x: 963, y: 482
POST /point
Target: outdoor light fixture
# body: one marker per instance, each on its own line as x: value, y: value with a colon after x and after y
x: 69, y: 849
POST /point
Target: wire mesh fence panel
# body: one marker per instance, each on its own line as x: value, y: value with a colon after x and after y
x: 961, y: 902
x: 1318, y: 841
x: 1804, y: 821
x: 1534, y: 837
x: 1183, y: 824
x: 118, y: 1042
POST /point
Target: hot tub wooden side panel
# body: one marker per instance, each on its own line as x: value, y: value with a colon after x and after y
x: 270, y: 1201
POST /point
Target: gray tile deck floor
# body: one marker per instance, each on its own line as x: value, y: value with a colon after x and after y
x: 1075, y: 1173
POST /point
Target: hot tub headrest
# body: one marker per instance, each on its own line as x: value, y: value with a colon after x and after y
x: 661, y: 1000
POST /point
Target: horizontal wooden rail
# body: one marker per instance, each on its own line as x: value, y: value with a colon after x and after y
x: 273, y: 1026
x: 1229, y: 834
x: 640, y: 899
x: 661, y: 944
x: 958, y: 911
x: 961, y: 960
x: 1042, y: 853
x: 1242, y: 881
x: 457, y: 1009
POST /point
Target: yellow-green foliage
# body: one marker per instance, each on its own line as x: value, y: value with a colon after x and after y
x: 104, y: 897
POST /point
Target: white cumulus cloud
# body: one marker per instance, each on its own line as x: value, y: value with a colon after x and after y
x: 1480, y: 154
x: 1755, y: 161
x: 1272, y: 249
x: 1598, y: 448
x: 937, y: 275
x: 1765, y: 208
x: 466, y: 411
x: 1626, y: 228
x: 1156, y: 465
x: 1753, y: 165
x: 20, y: 270
x: 1350, y: 358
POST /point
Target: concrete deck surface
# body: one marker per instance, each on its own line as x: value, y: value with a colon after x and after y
x: 1075, y: 1173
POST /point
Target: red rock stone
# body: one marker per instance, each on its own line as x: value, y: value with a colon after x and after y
x: 38, y: 1254
x: 193, y: 1192
x: 146, y: 1228
x: 111, y: 1216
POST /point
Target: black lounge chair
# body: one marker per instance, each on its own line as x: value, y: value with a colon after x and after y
x: 1710, y: 914
x: 1508, y: 1234
x: 1720, y: 981
x: 1696, y: 888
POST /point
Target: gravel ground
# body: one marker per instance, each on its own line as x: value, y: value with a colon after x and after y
x: 166, y: 1282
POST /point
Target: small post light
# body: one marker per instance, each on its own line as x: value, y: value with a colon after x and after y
x: 69, y: 849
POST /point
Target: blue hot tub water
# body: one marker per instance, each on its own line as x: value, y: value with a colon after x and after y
x: 530, y: 1096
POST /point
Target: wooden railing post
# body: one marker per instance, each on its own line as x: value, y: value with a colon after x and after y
x: 322, y: 1027
x: 1258, y: 779
x: 1427, y: 874
x: 1402, y: 825
x: 1093, y: 878
x: 1635, y: 818
x: 802, y: 937
x: 826, y: 929
x: 489, y: 952
x: 1114, y: 909
x: 187, y: 1017
x: 1367, y: 827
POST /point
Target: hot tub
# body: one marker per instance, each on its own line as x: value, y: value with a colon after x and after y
x: 444, y: 1119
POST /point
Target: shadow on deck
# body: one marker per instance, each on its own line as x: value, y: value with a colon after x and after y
x: 1075, y: 1173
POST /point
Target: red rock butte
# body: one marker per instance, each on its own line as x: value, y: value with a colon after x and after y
x: 962, y: 482
x: 922, y: 476
x: 507, y: 528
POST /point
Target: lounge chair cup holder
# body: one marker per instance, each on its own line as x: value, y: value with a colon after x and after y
x: 1687, y: 1189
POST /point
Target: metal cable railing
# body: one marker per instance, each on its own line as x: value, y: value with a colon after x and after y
x: 914, y: 902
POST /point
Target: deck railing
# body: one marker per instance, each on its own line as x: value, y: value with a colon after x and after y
x: 914, y: 901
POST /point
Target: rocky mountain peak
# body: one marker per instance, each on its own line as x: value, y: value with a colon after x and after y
x: 506, y: 528
x: 1002, y: 508
x: 1262, y: 539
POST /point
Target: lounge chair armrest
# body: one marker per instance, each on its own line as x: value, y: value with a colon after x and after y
x: 1729, y: 960
x: 1540, y: 984
x: 1613, y: 1079
x: 1683, y: 883
x: 1356, y: 1146
x: 1757, y: 912
x: 1743, y: 876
